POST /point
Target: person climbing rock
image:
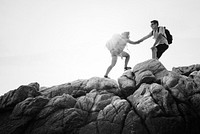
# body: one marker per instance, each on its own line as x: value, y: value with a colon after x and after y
x: 116, y: 47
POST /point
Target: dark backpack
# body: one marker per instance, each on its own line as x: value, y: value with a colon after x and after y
x: 169, y: 36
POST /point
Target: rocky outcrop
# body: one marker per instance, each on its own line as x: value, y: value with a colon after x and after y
x: 148, y: 99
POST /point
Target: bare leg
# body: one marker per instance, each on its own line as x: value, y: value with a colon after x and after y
x: 127, y: 58
x: 113, y: 63
x: 154, y: 53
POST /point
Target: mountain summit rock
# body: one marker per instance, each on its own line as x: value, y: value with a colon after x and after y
x: 149, y: 99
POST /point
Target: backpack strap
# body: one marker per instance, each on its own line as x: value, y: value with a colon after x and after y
x: 164, y: 32
x: 155, y: 31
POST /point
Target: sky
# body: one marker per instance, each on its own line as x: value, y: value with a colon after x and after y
x: 53, y: 42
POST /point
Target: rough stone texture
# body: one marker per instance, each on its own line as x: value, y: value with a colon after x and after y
x: 10, y: 99
x: 186, y: 70
x: 149, y: 71
x: 81, y: 87
x: 146, y: 100
x: 127, y: 83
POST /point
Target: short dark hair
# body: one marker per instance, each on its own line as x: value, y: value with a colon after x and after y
x: 155, y: 22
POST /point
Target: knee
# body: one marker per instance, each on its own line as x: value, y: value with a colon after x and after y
x: 127, y: 56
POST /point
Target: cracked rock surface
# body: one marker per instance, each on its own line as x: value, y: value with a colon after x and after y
x: 148, y: 99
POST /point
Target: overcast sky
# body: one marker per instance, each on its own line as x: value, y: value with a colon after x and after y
x: 53, y: 42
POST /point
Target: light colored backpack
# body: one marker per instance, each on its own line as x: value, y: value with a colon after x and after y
x: 116, y: 44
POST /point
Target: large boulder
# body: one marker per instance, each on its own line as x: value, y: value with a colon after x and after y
x: 80, y: 87
x: 127, y: 83
x: 186, y: 70
x: 149, y: 71
x: 13, y: 97
x: 146, y: 100
x: 110, y: 119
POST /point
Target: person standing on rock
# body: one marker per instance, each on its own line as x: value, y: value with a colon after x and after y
x: 116, y: 46
x: 161, y: 43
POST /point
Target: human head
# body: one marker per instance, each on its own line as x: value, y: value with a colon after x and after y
x: 154, y: 24
x: 126, y: 34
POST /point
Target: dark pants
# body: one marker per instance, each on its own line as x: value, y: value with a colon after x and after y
x: 161, y: 48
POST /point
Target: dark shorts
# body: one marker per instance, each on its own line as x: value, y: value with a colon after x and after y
x: 161, y: 48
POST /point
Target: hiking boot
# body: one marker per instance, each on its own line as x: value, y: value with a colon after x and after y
x: 105, y: 76
x: 127, y: 68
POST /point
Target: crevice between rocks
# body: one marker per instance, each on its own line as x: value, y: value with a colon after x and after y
x: 142, y: 120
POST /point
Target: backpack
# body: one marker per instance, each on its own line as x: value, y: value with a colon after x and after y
x: 116, y: 44
x: 169, y: 36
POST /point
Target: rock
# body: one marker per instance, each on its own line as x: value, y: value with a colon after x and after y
x: 144, y: 103
x: 62, y: 121
x: 109, y: 120
x: 10, y: 99
x: 186, y: 70
x: 22, y: 115
x: 34, y: 85
x: 196, y: 77
x: 70, y: 88
x: 146, y: 100
x: 81, y: 87
x: 134, y: 124
x: 157, y: 109
x: 149, y: 71
x: 170, y: 80
x: 56, y: 103
x: 98, y: 83
x: 112, y: 117
x: 182, y: 87
x: 127, y: 83
x: 29, y: 107
x: 95, y: 101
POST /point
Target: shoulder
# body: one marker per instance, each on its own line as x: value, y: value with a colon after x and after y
x: 150, y: 34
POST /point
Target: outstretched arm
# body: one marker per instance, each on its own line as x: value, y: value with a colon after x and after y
x: 137, y: 42
x: 145, y: 37
x: 132, y: 42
